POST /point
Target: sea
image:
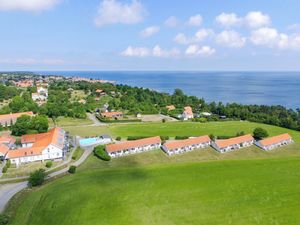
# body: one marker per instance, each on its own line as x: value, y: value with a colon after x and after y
x: 262, y: 88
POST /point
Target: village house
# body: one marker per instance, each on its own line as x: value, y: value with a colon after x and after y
x: 9, y: 119
x: 111, y: 115
x: 170, y: 107
x: 3, y: 151
x: 41, y: 94
x: 232, y: 144
x: 24, y: 83
x: 7, y: 140
x: 181, y: 146
x: 133, y: 147
x: 275, y: 142
x: 100, y: 92
x: 39, y: 147
x: 187, y: 113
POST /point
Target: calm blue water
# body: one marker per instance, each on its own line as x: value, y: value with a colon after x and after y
x: 269, y: 88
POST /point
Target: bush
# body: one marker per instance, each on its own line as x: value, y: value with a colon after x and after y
x: 37, y: 178
x: 181, y: 137
x: 77, y: 153
x: 118, y: 138
x: 100, y: 152
x: 49, y: 164
x: 260, y: 133
x: 133, y: 138
x: 8, y: 164
x: 4, y: 219
x: 164, y: 138
x: 163, y: 120
x: 4, y: 169
x: 72, y: 169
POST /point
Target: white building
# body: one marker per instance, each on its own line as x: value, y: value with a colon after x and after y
x: 232, y: 144
x: 133, y: 147
x: 181, y: 146
x: 41, y: 94
x: 187, y: 113
x: 39, y: 147
x: 275, y: 142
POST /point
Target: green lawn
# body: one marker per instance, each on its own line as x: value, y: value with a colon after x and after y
x: 264, y: 191
x: 69, y: 121
x: 193, y: 129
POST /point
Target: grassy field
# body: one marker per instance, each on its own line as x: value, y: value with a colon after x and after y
x: 68, y: 121
x: 245, y: 187
x: 264, y: 191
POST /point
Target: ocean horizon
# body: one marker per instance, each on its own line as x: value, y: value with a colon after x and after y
x: 261, y: 88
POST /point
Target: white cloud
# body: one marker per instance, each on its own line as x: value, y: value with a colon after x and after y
x: 181, y: 39
x: 114, y: 12
x: 199, y: 36
x: 172, y: 21
x: 295, y: 27
x: 195, y: 20
x: 271, y: 38
x: 149, y: 31
x: 229, y: 19
x: 257, y: 19
x: 157, y: 51
x: 28, y: 5
x: 195, y: 50
x: 231, y: 39
x: 136, y: 51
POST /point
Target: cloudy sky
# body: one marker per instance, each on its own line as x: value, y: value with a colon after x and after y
x: 149, y: 35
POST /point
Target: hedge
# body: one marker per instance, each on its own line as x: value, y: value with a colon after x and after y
x: 105, y: 120
x: 100, y: 152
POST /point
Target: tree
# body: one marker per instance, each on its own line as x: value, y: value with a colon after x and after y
x: 37, y: 178
x: 4, y: 219
x: 72, y: 169
x: 21, y: 126
x: 100, y: 152
x: 40, y: 124
x: 260, y: 133
x: 49, y: 164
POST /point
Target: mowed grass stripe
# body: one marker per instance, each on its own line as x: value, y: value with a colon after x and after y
x: 173, y: 129
x: 224, y: 192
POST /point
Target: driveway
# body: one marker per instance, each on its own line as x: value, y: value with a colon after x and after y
x: 7, y: 191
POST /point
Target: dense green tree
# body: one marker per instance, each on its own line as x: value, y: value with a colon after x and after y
x: 260, y: 133
x: 37, y: 178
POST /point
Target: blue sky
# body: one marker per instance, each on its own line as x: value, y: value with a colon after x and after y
x: 149, y: 35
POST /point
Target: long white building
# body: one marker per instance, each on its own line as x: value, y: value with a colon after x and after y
x: 275, y: 142
x: 181, y: 146
x: 133, y: 147
x: 231, y: 144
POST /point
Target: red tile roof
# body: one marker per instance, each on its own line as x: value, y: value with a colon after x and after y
x: 275, y: 139
x: 170, y: 107
x: 188, y: 110
x: 7, y: 139
x: 172, y: 145
x: 111, y: 114
x: 233, y: 141
x: 99, y: 91
x: 3, y: 149
x: 40, y: 142
x: 14, y: 115
x: 132, y: 144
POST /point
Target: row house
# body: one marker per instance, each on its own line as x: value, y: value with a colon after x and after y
x: 232, y: 144
x: 275, y: 142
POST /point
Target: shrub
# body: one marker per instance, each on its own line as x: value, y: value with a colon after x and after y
x: 212, y: 137
x: 100, y: 152
x: 118, y: 138
x: 164, y: 138
x: 4, y: 169
x: 4, y: 219
x: 8, y: 164
x: 163, y: 120
x: 72, y: 169
x: 37, y: 178
x: 181, y: 137
x: 133, y: 138
x: 49, y: 164
x: 260, y: 133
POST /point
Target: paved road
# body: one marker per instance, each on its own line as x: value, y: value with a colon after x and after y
x: 96, y: 122
x: 7, y: 191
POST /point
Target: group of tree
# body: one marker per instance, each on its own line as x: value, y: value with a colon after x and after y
x: 28, y: 125
x: 8, y: 92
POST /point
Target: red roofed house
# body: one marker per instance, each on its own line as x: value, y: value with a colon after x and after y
x: 7, y: 140
x: 187, y: 113
x: 100, y: 92
x: 3, y: 150
x: 232, y: 144
x: 181, y: 146
x: 112, y: 114
x: 39, y: 147
x: 132, y: 147
x: 8, y: 119
x: 275, y: 142
x: 170, y: 107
